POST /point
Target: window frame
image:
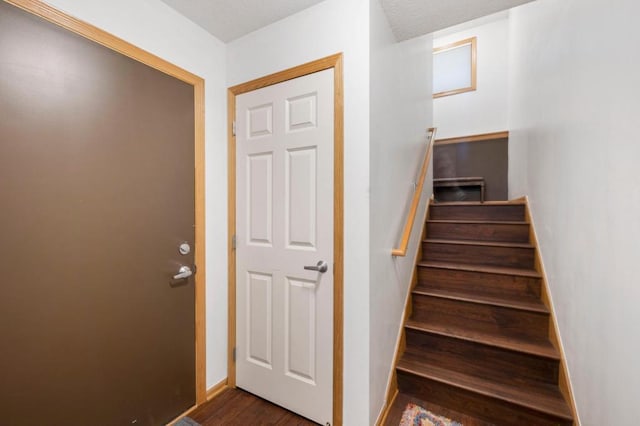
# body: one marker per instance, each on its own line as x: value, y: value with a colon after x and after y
x: 472, y: 41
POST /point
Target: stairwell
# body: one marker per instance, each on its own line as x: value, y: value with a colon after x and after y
x: 476, y: 341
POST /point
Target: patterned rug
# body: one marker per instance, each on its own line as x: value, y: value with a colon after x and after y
x: 415, y: 415
x: 187, y: 421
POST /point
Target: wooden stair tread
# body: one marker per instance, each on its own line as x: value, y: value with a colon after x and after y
x: 479, y: 243
x: 458, y: 179
x: 530, y: 386
x: 501, y: 270
x: 532, y: 304
x: 477, y: 203
x: 540, y: 348
x: 549, y: 400
x: 480, y: 222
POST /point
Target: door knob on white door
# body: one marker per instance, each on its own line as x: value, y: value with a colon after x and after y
x: 321, y: 267
x: 183, y: 272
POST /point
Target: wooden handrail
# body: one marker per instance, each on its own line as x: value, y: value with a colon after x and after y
x: 402, y: 249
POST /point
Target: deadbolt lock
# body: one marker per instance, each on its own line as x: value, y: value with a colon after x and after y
x: 184, y: 249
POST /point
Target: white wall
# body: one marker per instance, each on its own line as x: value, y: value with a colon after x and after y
x: 153, y: 26
x: 574, y: 104
x: 483, y: 110
x: 330, y: 27
x: 401, y: 111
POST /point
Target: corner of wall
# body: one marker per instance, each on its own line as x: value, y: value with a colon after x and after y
x: 400, y: 113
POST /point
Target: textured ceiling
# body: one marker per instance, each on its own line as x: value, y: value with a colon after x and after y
x: 412, y: 18
x: 230, y: 19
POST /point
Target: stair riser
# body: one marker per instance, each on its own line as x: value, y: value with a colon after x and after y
x: 479, y: 283
x: 481, y: 360
x: 480, y: 318
x: 510, y: 257
x: 507, y: 232
x: 483, y: 407
x: 514, y: 212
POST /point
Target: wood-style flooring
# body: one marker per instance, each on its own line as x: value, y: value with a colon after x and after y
x: 402, y: 399
x: 237, y: 407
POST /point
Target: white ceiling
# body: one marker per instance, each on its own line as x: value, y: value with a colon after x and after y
x: 231, y: 19
x: 412, y: 18
x: 502, y: 15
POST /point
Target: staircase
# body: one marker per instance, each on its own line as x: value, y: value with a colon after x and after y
x: 477, y: 338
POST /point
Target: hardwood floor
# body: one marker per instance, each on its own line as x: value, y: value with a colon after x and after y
x: 238, y: 407
x: 401, y: 401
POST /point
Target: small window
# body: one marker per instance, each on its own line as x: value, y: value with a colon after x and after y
x: 454, y: 68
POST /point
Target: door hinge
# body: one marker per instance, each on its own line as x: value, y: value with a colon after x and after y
x: 234, y: 354
x: 233, y: 241
x: 233, y: 128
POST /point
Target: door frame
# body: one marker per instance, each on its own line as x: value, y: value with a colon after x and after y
x: 330, y: 62
x: 90, y: 32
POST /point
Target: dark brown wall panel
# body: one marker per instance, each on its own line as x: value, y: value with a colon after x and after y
x: 488, y: 159
x: 96, y: 193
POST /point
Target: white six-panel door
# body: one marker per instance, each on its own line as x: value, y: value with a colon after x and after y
x: 284, y: 222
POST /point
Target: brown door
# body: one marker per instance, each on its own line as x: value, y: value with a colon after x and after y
x: 96, y: 195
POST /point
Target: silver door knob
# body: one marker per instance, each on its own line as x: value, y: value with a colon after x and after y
x: 183, y: 272
x: 321, y: 267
